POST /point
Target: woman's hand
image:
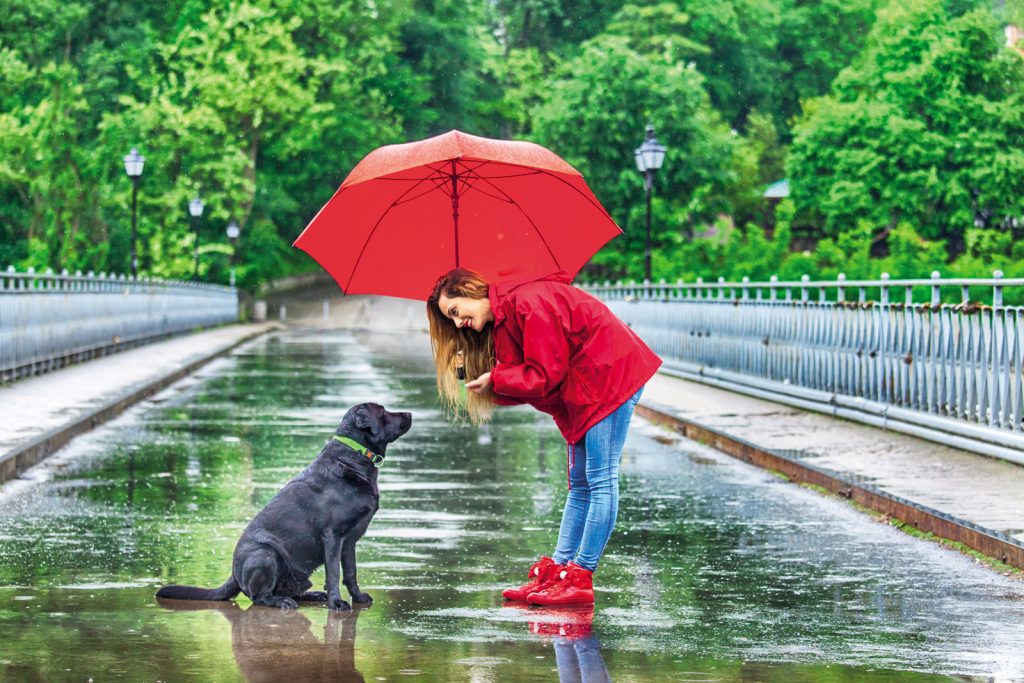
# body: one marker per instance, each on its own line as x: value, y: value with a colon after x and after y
x: 480, y: 383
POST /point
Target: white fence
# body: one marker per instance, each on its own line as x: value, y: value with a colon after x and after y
x: 48, y: 320
x: 947, y: 369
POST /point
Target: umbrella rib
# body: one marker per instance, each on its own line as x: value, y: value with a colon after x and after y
x: 596, y: 204
x: 437, y: 186
x: 439, y: 183
x: 527, y: 217
x: 376, y: 225
x: 472, y: 185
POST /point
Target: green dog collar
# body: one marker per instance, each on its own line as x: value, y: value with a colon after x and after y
x: 376, y: 458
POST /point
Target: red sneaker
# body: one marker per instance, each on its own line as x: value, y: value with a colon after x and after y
x: 543, y: 573
x: 575, y: 587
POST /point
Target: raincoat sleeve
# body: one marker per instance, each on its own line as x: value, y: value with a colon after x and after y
x: 505, y: 400
x: 545, y: 355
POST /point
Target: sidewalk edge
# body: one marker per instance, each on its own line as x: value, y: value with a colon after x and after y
x: 926, y: 520
x: 19, y: 459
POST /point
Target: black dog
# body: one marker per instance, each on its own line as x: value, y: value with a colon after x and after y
x: 316, y: 519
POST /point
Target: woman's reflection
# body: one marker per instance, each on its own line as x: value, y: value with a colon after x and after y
x: 577, y: 649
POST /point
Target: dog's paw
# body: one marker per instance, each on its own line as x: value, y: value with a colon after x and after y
x: 313, y: 596
x: 362, y: 598
x: 338, y: 604
x: 287, y: 604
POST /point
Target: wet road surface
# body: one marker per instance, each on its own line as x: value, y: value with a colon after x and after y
x: 716, y: 572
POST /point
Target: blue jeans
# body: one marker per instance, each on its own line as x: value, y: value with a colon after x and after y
x: 593, y: 501
x: 580, y: 661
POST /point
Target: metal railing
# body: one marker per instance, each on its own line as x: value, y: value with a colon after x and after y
x: 48, y: 320
x: 947, y: 370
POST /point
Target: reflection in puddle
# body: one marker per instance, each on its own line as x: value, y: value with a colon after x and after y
x: 577, y: 649
x: 272, y: 645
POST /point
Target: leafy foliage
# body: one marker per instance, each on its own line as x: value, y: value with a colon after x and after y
x: 591, y: 112
x: 923, y: 129
x: 897, y: 122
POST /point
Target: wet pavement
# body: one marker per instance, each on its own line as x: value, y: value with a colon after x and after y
x: 982, y: 491
x: 717, y: 571
x: 35, y: 405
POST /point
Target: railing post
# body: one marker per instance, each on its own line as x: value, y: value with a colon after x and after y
x: 746, y: 292
x: 804, y: 293
x: 997, y: 290
x: 885, y: 289
x: 936, y: 293
x: 771, y: 288
x: 840, y: 289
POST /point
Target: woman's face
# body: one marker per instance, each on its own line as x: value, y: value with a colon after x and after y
x: 466, y: 312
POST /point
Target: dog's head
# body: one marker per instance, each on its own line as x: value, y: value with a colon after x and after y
x: 373, y: 426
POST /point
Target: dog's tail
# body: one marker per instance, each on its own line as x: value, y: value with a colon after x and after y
x: 229, y: 590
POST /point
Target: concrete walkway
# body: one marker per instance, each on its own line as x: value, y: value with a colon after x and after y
x: 51, y: 404
x: 975, y: 488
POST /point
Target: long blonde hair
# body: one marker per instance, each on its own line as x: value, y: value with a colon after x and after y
x: 447, y: 341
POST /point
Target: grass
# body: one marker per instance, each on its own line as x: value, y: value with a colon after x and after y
x: 980, y: 558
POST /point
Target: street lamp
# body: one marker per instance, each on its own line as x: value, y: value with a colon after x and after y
x: 133, y: 164
x: 195, y: 209
x: 233, y: 232
x: 649, y: 157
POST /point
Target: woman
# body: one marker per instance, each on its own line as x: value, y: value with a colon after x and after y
x: 548, y: 344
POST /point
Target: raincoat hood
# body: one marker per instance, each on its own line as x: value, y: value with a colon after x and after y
x: 498, y: 291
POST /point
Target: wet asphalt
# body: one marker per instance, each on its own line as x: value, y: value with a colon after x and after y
x: 716, y: 571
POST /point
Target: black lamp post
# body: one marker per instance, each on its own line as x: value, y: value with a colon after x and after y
x: 133, y: 164
x: 195, y: 209
x: 649, y: 157
x: 233, y: 232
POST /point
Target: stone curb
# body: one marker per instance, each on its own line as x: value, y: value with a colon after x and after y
x: 16, y: 461
x: 925, y: 519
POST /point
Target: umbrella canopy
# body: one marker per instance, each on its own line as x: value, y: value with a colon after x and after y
x: 409, y: 213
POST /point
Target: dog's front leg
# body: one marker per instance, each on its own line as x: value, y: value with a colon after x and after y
x: 332, y: 565
x: 348, y: 564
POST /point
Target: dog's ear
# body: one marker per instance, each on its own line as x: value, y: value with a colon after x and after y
x: 365, y: 420
x: 362, y: 420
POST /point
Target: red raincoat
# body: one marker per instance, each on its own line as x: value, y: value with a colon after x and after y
x: 563, y: 352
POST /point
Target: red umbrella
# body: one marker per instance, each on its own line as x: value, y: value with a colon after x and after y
x: 409, y: 213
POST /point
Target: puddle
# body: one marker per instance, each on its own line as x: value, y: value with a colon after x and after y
x: 714, y: 573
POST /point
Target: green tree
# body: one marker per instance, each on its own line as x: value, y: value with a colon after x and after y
x: 741, y: 67
x: 923, y: 129
x: 549, y: 25
x: 816, y: 40
x: 239, y: 112
x: 594, y: 115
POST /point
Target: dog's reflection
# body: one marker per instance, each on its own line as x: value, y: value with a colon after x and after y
x: 577, y: 649
x: 270, y: 644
